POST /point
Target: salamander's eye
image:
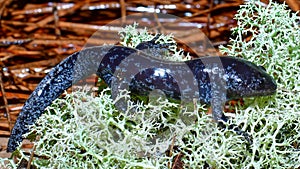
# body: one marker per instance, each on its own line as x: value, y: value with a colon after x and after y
x: 261, y: 67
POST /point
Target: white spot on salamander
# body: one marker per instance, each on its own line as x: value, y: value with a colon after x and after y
x: 40, y: 92
x: 215, y: 70
x: 160, y: 72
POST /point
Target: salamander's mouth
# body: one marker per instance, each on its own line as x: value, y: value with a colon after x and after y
x: 265, y: 92
x: 270, y: 86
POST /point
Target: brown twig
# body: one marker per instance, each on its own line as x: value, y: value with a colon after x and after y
x: 31, y: 157
x: 123, y: 11
x: 51, y: 17
x: 3, y: 5
x: 217, y: 7
x: 5, y: 103
x: 177, y: 163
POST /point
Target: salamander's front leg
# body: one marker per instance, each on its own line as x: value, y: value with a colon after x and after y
x: 217, y: 112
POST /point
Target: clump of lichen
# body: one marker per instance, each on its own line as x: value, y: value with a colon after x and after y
x: 131, y: 36
x: 274, y: 44
x: 85, y: 131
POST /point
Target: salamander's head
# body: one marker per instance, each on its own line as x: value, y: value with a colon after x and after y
x: 245, y: 79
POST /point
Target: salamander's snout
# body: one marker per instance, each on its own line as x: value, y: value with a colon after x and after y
x: 270, y: 86
x: 268, y: 83
x: 259, y: 82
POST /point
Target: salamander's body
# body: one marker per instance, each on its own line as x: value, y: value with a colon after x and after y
x: 213, y: 80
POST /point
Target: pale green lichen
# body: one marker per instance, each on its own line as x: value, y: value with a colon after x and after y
x: 131, y: 36
x: 274, y: 43
x: 83, y: 131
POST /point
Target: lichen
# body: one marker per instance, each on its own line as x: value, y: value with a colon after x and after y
x: 131, y: 36
x: 86, y: 131
x: 274, y: 44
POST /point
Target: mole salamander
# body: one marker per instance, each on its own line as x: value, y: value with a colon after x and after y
x: 212, y: 80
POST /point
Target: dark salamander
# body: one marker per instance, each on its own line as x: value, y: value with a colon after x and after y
x: 213, y: 80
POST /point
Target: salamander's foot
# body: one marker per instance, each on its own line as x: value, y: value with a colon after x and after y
x: 237, y: 130
x: 221, y: 119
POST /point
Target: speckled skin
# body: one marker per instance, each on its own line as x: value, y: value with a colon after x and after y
x: 213, y: 80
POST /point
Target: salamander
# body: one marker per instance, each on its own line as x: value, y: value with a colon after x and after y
x: 212, y: 80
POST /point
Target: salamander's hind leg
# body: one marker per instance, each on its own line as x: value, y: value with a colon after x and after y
x: 221, y: 119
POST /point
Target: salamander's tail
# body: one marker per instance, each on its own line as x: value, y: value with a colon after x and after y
x: 60, y: 78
